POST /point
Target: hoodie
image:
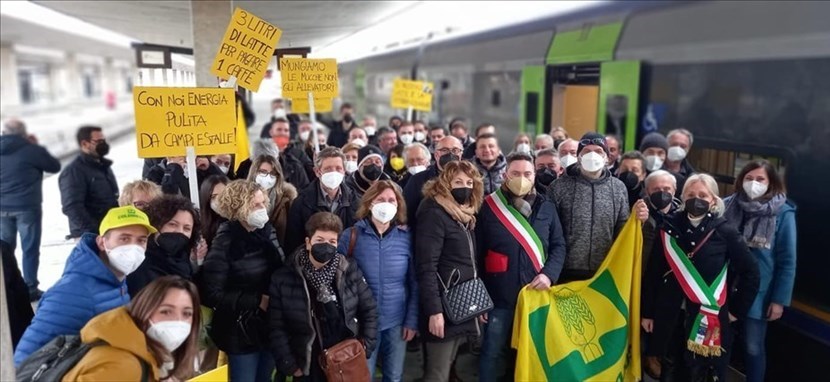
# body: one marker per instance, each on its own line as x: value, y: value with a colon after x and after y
x: 592, y: 212
x: 86, y: 289
x: 22, y: 165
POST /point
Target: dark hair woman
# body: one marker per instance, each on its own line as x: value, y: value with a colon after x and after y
x: 445, y: 248
x: 154, y: 336
x: 395, y: 165
x: 169, y: 250
x: 760, y: 211
x: 267, y: 173
x: 318, y: 300
x: 208, y: 200
x: 700, y: 277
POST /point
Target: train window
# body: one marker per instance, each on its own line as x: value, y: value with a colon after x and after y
x: 495, y: 98
x: 532, y: 108
x: 725, y: 163
x: 616, y: 113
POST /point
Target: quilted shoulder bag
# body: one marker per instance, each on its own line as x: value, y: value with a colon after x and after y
x: 464, y: 301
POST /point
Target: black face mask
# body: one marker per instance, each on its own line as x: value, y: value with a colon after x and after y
x: 557, y: 142
x: 102, y: 149
x: 660, y: 200
x: 545, y: 177
x: 631, y: 181
x: 696, y: 207
x: 347, y: 118
x: 323, y: 252
x: 462, y: 195
x: 172, y: 243
x: 447, y: 158
x: 371, y: 172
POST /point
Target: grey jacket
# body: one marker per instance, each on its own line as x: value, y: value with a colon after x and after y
x: 592, y: 211
x: 494, y: 176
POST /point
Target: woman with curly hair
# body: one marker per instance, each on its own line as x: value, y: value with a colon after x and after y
x: 445, y: 251
x: 266, y: 171
x: 169, y: 250
x: 234, y: 280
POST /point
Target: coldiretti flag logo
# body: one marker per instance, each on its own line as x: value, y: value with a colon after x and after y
x: 585, y: 330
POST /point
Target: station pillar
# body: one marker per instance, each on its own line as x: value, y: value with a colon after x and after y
x: 208, y: 19
x: 74, y: 89
x: 9, y: 82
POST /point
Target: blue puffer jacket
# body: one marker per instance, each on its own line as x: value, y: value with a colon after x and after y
x: 388, y: 267
x: 86, y: 288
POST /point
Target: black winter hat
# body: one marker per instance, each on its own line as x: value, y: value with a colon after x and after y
x: 592, y: 139
x: 654, y: 140
x: 367, y: 150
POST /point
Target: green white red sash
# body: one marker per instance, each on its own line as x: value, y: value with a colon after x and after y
x: 519, y: 227
x: 705, y: 336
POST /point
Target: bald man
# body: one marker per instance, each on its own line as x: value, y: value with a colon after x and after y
x: 446, y: 150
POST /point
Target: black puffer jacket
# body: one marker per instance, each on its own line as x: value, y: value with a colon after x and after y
x: 442, y: 245
x: 233, y: 279
x: 309, y: 202
x: 159, y: 263
x: 292, y: 333
x: 88, y: 191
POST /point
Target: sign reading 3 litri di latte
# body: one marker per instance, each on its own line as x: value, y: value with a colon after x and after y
x: 246, y: 49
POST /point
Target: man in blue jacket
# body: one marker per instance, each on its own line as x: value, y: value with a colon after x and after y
x: 93, y: 281
x: 22, y: 164
x: 520, y: 242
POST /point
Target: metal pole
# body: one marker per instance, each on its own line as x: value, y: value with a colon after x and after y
x: 313, y: 116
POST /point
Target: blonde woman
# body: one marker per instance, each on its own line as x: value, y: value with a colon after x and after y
x: 267, y: 173
x: 685, y: 288
x: 139, y: 193
x: 234, y: 280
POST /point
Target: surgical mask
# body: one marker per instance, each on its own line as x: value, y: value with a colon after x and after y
x: 384, y: 212
x: 630, y: 179
x: 267, y: 181
x: 462, y: 195
x: 660, y: 200
x: 304, y: 135
x: 557, y: 142
x: 351, y: 166
x: 370, y: 130
x: 420, y: 136
x: 258, y: 218
x: 371, y: 172
x: 359, y: 142
x: 447, y: 158
x: 281, y: 142
x: 323, y: 252
x: 545, y: 177
x: 696, y: 207
x: 755, y: 189
x: 332, y: 179
x: 126, y: 258
x: 523, y: 148
x: 568, y: 160
x: 214, y: 205
x: 170, y: 334
x: 654, y: 163
x: 519, y: 185
x: 676, y: 154
x: 279, y: 113
x: 172, y: 242
x: 347, y: 118
x: 397, y: 163
x: 416, y: 169
x: 592, y: 162
x: 407, y: 138
x: 102, y: 149
x: 224, y: 169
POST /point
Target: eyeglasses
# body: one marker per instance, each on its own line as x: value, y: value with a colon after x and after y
x: 454, y: 151
x: 593, y: 141
x: 98, y: 141
x: 221, y: 163
x: 140, y: 205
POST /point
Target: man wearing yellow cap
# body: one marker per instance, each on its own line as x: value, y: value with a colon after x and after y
x: 93, y: 280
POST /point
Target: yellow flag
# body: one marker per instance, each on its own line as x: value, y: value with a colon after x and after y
x: 585, y: 330
x: 242, y: 152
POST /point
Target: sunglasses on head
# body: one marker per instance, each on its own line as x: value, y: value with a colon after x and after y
x: 593, y: 141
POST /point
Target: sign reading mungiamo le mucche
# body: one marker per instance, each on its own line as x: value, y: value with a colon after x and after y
x: 246, y: 49
x: 167, y: 120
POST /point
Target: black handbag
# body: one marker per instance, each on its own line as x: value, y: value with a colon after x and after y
x: 464, y: 301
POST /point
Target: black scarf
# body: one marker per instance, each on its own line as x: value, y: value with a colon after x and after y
x: 322, y: 280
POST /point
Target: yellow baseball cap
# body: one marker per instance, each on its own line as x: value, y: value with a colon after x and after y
x: 125, y: 216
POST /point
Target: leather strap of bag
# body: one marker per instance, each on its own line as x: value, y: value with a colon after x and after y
x: 352, y: 242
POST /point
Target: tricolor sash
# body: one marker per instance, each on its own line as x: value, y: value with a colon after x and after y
x: 705, y: 335
x: 519, y: 227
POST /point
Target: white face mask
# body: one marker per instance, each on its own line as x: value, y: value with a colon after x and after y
x: 420, y: 136
x: 214, y: 205
x: 407, y: 138
x: 266, y: 181
x: 384, y: 212
x: 755, y: 189
x: 224, y: 169
x: 351, y: 166
x: 258, y: 218
x: 126, y: 258
x: 332, y: 179
x: 523, y: 148
x: 359, y: 142
x: 592, y: 162
x: 654, y: 163
x: 676, y: 154
x: 279, y: 113
x: 170, y: 334
x: 304, y: 135
x: 568, y: 160
x: 370, y: 130
x: 416, y: 169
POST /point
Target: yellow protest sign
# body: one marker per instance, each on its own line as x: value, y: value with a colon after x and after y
x: 246, y: 49
x: 167, y: 120
x: 301, y: 76
x: 415, y: 94
x: 321, y: 105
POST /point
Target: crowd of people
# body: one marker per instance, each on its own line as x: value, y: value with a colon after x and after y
x: 293, y: 250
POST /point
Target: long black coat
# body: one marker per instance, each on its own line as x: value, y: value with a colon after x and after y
x: 158, y: 263
x: 172, y: 180
x: 662, y: 296
x: 310, y: 202
x: 88, y: 190
x: 232, y: 281
x: 443, y: 245
x: 292, y: 333
x: 17, y: 295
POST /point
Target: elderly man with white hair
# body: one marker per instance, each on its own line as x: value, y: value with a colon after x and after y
x: 660, y: 187
x: 680, y: 143
x: 543, y: 142
x: 416, y: 158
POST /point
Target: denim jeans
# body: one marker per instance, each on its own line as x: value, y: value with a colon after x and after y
x: 391, y: 348
x: 755, y: 334
x: 251, y: 367
x: 495, y: 347
x: 28, y: 224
